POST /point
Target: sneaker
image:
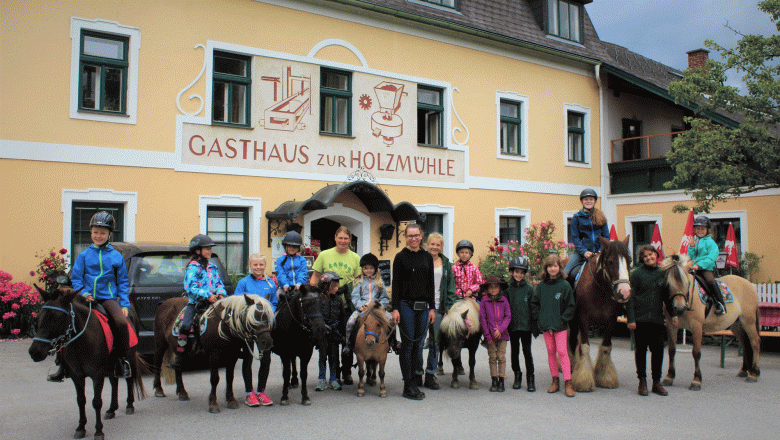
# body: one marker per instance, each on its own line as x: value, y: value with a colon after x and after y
x: 335, y: 385
x: 322, y: 386
x: 251, y: 399
x: 264, y: 399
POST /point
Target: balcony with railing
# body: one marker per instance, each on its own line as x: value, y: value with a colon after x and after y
x: 638, y: 164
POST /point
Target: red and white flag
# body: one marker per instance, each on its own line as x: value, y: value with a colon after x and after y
x: 687, y: 235
x: 612, y: 233
x: 731, y: 248
x: 657, y: 243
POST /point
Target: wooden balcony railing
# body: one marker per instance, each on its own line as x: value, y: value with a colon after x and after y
x: 642, y: 147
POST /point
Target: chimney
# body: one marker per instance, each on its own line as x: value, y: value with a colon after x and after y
x: 697, y: 58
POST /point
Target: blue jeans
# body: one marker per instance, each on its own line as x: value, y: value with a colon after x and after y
x: 329, y: 356
x: 433, y: 347
x: 575, y: 260
x: 413, y: 327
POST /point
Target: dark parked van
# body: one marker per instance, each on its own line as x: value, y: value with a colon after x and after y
x: 156, y: 273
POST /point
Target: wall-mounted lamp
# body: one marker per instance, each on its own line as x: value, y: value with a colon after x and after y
x: 385, y: 234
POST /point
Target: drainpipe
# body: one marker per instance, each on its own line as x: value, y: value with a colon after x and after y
x: 607, y: 206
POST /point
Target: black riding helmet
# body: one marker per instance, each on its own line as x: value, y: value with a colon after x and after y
x: 464, y: 244
x: 519, y: 263
x: 701, y: 221
x: 326, y: 279
x: 104, y: 220
x: 292, y: 238
x: 369, y: 260
x: 200, y: 241
x: 588, y: 192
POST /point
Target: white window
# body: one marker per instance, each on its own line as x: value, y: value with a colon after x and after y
x: 447, y: 217
x: 577, y: 135
x: 104, y: 71
x: 511, y: 224
x: 512, y: 126
x: 209, y: 209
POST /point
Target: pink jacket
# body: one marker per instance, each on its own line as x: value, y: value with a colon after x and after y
x: 495, y: 315
x: 467, y: 276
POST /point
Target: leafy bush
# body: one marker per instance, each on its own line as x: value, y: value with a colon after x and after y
x: 19, y: 307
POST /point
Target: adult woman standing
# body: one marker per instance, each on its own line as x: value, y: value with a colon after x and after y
x: 412, y: 305
x: 346, y: 264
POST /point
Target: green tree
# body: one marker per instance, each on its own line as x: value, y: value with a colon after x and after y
x: 714, y: 162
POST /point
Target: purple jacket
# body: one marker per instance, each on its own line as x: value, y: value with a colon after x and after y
x: 495, y: 315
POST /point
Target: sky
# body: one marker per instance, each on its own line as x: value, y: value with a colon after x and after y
x: 664, y: 30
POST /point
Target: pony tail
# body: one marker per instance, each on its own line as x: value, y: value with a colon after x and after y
x: 598, y: 218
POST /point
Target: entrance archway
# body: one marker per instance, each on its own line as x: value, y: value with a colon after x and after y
x: 356, y: 221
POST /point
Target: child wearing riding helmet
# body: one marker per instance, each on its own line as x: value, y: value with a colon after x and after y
x: 468, y: 278
x: 494, y: 318
x: 521, y: 328
x: 552, y: 307
x: 100, y: 274
x: 587, y: 225
x: 203, y: 287
x: 291, y: 269
x: 258, y: 283
x: 368, y: 288
x: 334, y: 316
x: 703, y: 251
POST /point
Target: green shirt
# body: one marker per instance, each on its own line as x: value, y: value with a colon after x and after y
x: 519, y: 296
x: 648, y: 293
x: 552, y: 305
x: 346, y: 265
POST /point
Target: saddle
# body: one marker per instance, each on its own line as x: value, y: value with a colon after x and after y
x: 199, y: 323
x: 705, y: 296
x: 103, y: 319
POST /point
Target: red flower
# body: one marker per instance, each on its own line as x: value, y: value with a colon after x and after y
x: 500, y: 249
x: 496, y: 239
x: 63, y: 251
x: 492, y: 249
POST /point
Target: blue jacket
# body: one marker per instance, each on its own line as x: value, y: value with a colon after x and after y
x: 704, y: 252
x: 291, y: 271
x: 584, y: 235
x: 199, y: 283
x: 101, y: 272
x: 265, y: 287
x: 362, y: 289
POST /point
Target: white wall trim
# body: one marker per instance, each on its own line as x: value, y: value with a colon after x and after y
x: 128, y: 199
x: 448, y: 221
x: 523, y: 100
x: 589, y: 133
x: 525, y: 219
x: 341, y: 43
x: 628, y: 222
x: 565, y: 225
x: 743, y: 225
x: 356, y: 221
x: 134, y: 47
x: 254, y: 204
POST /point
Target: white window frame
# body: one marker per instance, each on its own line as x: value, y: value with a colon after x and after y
x: 134, y: 47
x: 586, y: 138
x: 525, y: 220
x: 743, y: 225
x: 628, y: 224
x: 448, y: 223
x: 523, y: 101
x: 567, y: 215
x: 69, y: 196
x: 255, y: 206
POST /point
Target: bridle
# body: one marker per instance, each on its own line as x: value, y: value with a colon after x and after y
x: 305, y: 322
x: 367, y: 333
x: 602, y: 270
x: 70, y: 334
x: 687, y: 293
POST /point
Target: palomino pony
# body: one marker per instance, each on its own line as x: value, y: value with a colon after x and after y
x: 459, y: 328
x: 232, y: 322
x: 371, y: 346
x: 742, y: 318
x: 68, y: 324
x: 299, y: 327
x: 601, y: 291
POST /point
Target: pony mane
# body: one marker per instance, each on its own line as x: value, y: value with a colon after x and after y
x: 676, y: 267
x: 453, y: 324
x: 377, y: 311
x: 240, y: 317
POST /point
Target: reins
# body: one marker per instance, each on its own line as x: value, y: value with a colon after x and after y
x: 66, y: 338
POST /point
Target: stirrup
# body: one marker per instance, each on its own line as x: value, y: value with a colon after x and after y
x: 123, y: 369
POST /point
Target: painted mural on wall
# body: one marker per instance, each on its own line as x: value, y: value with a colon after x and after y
x: 285, y: 132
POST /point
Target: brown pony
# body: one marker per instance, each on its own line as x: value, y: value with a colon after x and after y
x: 232, y: 322
x: 68, y: 324
x: 371, y: 346
x: 742, y: 318
x: 601, y: 291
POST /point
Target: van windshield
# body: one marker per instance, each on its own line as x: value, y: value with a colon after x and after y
x: 161, y: 270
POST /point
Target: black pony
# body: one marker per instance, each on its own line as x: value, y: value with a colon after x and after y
x: 68, y: 324
x: 298, y: 327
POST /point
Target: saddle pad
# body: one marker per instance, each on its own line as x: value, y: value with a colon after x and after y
x: 203, y: 322
x: 103, y: 319
x: 728, y: 297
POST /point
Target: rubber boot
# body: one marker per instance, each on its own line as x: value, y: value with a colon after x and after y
x: 418, y: 380
x: 518, y: 380
x: 59, y: 376
x: 569, y: 388
x: 555, y: 385
x: 430, y: 382
x: 409, y: 392
x: 122, y: 369
x: 346, y: 369
x: 642, y: 390
x: 531, y: 383
x: 493, y: 384
x: 500, y: 385
x: 178, y: 362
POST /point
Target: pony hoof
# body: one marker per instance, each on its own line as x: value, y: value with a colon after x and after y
x: 455, y: 384
x: 99, y: 437
x: 214, y: 409
x: 752, y: 379
x: 667, y: 382
x: 473, y: 385
x: 109, y: 415
x: 361, y: 393
x: 695, y: 387
x: 129, y: 410
x: 742, y: 373
x: 80, y: 434
x: 284, y: 402
x: 183, y: 397
x: 159, y: 393
x: 383, y: 393
x: 306, y: 401
x: 232, y: 404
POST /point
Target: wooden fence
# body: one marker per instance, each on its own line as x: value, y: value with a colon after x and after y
x: 769, y: 293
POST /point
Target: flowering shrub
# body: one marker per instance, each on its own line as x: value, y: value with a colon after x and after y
x: 19, y: 306
x: 52, y: 265
x: 539, y: 243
